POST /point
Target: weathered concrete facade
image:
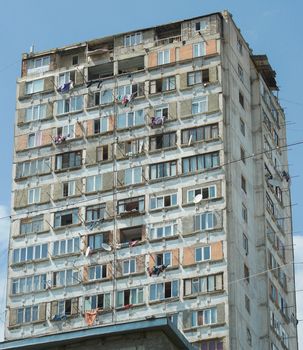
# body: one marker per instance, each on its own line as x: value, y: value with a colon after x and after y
x: 164, y: 146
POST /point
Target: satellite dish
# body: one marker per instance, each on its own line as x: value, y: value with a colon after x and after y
x: 88, y: 251
x: 106, y: 247
x: 198, y: 198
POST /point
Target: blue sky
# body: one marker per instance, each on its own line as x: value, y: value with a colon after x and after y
x: 272, y: 27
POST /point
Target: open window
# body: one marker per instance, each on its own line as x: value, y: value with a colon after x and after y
x: 131, y: 64
x: 101, y: 71
x: 128, y: 235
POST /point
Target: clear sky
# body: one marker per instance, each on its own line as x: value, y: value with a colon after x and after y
x: 272, y: 27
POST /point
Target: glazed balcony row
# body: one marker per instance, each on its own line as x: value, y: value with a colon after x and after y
x: 136, y: 176
x: 123, y: 46
x: 126, y: 95
x: 154, y: 264
x: 66, y: 82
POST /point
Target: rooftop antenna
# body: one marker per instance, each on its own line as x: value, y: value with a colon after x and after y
x: 32, y: 49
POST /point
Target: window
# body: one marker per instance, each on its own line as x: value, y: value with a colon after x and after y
x: 163, y: 57
x: 242, y: 155
x: 208, y: 192
x: 205, y: 284
x: 33, y: 167
x: 68, y: 160
x: 133, y: 39
x: 30, y: 253
x: 202, y: 254
x: 97, y: 272
x: 205, y: 221
x: 133, y: 176
x: 160, y: 291
x: 27, y: 314
x: 128, y: 235
x: 270, y: 204
x: 129, y: 266
x: 34, y: 139
x: 202, y: 24
x: 68, y: 131
x: 40, y: 64
x: 66, y: 217
x: 102, y: 124
x: 129, y: 297
x: 64, y: 308
x: 33, y: 195
x: 242, y: 126
x: 163, y: 259
x: 99, y: 301
x: 66, y: 77
x: 199, y: 49
x: 247, y: 304
x: 102, y: 153
x: 75, y: 60
x: 241, y: 99
x: 246, y: 273
x: 159, y: 202
x: 198, y: 77
x: 244, y: 213
x: 239, y: 45
x: 31, y: 225
x: 130, y: 119
x: 276, y: 138
x: 161, y: 85
x: 68, y: 188
x: 29, y: 284
x: 161, y: 114
x: 213, y: 344
x: 73, y: 104
x: 243, y: 184
x: 162, y: 231
x: 240, y: 73
x: 94, y: 183
x: 202, y: 133
x: 96, y: 241
x: 160, y: 170
x: 104, y: 97
x: 245, y: 243
x: 65, y: 278
x: 204, y: 317
x: 134, y: 147
x: 34, y: 86
x: 36, y: 112
x: 162, y: 141
x: 200, y: 106
x: 66, y: 246
x: 95, y: 212
x: 200, y: 162
x: 131, y: 205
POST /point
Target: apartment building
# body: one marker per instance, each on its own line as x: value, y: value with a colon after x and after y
x: 150, y: 179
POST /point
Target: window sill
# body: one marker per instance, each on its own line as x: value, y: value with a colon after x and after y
x: 63, y: 256
x: 69, y: 113
x: 165, y: 209
x: 162, y: 238
x: 130, y: 128
x: 197, y: 172
x: 65, y: 227
x: 171, y: 299
x: 34, y: 94
x: 151, y: 181
x: 25, y: 324
x: 19, y: 264
x: 159, y: 94
x: 27, y: 123
x: 100, y: 280
x: 67, y: 197
x: 69, y: 286
x: 213, y: 325
x: 204, y: 201
x: 163, y: 149
x: 195, y: 295
x: 130, y: 275
x: 130, y: 214
x: 200, y: 142
x: 132, y: 306
x: 29, y: 233
x: 29, y: 149
x: 99, y: 134
x: 67, y: 169
x: 29, y: 176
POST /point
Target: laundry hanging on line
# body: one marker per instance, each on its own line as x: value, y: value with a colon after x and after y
x: 90, y: 317
x: 156, y: 269
x: 66, y: 87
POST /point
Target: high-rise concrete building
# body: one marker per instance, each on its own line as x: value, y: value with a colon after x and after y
x: 151, y: 178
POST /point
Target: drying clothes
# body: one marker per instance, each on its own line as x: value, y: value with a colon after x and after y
x: 59, y: 318
x: 90, y: 317
x: 156, y: 270
x: 133, y: 243
x: 157, y: 121
x: 59, y: 139
x: 66, y: 87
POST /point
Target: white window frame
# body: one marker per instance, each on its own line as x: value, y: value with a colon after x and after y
x: 203, y: 21
x: 71, y: 188
x: 34, y: 86
x: 202, y: 253
x: 212, y: 314
x: 168, y: 230
x: 69, y: 105
x: 40, y: 64
x: 130, y: 119
x: 192, y: 193
x: 36, y: 112
x: 63, y: 278
x: 133, y: 39
x: 133, y: 174
x: 199, y: 49
x: 34, y: 139
x: 33, y: 195
x: 102, y: 271
x: 158, y: 202
x: 163, y: 57
x: 67, y: 131
x: 200, y: 105
x: 129, y: 267
x: 96, y: 183
x: 63, y: 249
x: 208, y: 219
